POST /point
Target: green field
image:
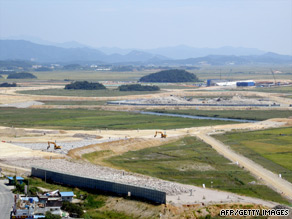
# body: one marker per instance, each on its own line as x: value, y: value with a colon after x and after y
x: 234, y: 114
x: 205, y: 72
x: 270, y: 148
x: 86, y: 93
x: 191, y: 161
x: 94, y: 119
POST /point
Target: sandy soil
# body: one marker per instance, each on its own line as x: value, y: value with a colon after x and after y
x: 136, y: 139
x: 16, y: 152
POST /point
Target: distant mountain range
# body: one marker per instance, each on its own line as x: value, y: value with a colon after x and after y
x: 73, y: 52
x: 25, y: 50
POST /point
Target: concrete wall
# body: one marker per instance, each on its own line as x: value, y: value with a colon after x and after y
x: 102, y: 185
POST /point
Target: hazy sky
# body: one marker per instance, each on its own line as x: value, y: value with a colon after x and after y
x: 263, y: 24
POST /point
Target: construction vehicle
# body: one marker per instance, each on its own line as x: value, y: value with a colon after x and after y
x: 162, y: 135
x: 55, y: 145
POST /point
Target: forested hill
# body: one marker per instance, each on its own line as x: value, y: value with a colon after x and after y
x: 172, y: 76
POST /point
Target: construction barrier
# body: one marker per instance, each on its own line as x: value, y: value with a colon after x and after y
x: 101, y: 185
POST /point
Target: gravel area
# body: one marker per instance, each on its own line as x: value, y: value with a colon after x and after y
x: 22, y: 104
x: 66, y: 146
x: 103, y: 173
x: 235, y: 100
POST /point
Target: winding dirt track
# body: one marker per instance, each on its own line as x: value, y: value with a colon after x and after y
x: 271, y: 179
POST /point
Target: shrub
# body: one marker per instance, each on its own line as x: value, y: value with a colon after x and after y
x: 8, y: 85
x: 73, y: 209
x: 49, y: 215
x: 23, y: 75
x: 138, y: 87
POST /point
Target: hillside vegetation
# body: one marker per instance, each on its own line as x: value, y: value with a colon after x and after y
x: 85, y: 85
x: 8, y: 85
x: 138, y: 87
x: 172, y: 76
x: 23, y: 75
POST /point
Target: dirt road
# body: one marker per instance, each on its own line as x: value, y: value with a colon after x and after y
x: 271, y: 179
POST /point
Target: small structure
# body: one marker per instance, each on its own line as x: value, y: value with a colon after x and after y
x: 11, y: 180
x: 245, y: 83
x: 213, y: 82
x: 67, y: 196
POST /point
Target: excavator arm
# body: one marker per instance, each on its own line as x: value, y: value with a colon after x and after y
x: 55, y: 145
x: 162, y: 135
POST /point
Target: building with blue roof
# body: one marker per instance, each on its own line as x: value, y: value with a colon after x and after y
x: 18, y: 179
x: 67, y: 196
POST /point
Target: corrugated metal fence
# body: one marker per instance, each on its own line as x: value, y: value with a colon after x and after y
x: 102, y: 185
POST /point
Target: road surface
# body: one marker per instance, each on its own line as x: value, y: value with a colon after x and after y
x: 6, y: 201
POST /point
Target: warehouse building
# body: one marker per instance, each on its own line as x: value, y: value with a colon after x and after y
x: 245, y: 83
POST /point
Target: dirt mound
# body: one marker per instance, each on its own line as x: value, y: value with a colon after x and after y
x: 86, y: 136
x: 118, y: 147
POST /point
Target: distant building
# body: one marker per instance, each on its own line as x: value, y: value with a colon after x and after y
x: 213, y: 82
x: 245, y: 83
x: 219, y: 82
x: 67, y: 196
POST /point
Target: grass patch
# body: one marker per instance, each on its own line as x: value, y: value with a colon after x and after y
x: 86, y: 93
x: 234, y: 114
x: 270, y: 148
x: 275, y: 89
x: 94, y: 156
x: 167, y: 162
x: 110, y: 215
x: 94, y: 119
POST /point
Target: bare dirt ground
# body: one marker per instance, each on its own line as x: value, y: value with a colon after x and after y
x: 9, y: 96
x: 135, y: 140
x: 123, y: 141
x: 16, y: 152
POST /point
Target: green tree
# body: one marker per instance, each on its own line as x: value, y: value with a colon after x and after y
x: 23, y: 75
x: 85, y: 85
x: 138, y: 87
x: 172, y: 76
x: 49, y: 215
x: 72, y: 208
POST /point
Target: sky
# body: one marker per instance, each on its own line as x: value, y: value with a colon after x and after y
x: 146, y: 24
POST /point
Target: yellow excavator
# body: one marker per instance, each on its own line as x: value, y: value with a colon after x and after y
x: 162, y: 135
x: 55, y: 145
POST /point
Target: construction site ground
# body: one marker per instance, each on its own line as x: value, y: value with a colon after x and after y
x: 21, y: 147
